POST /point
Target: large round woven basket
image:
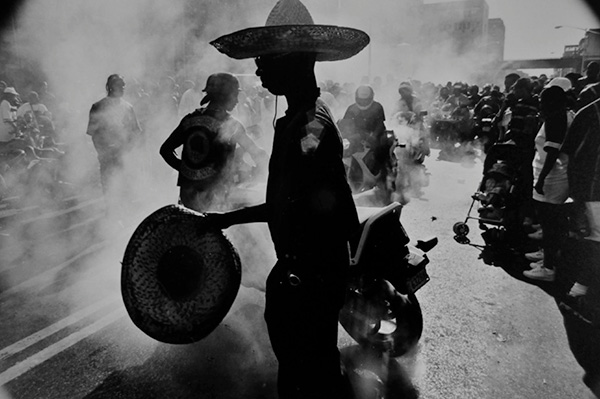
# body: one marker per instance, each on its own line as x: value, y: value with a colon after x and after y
x: 179, y: 276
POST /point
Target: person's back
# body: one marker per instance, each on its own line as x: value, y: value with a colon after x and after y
x: 524, y: 118
x: 112, y: 125
x: 582, y: 145
x: 588, y: 95
x: 208, y: 137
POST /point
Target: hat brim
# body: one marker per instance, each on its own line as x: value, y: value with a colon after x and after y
x: 329, y: 42
x: 179, y: 278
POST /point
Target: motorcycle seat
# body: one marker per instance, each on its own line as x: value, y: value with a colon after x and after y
x: 372, y: 220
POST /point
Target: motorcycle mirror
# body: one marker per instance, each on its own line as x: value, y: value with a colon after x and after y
x: 427, y: 245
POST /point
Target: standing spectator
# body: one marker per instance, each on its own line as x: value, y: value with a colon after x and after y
x: 48, y: 98
x: 588, y: 95
x: 509, y: 81
x: 473, y: 95
x: 190, y: 99
x: 522, y: 128
x: 551, y: 184
x: 574, y: 78
x: 582, y: 145
x: 114, y: 129
x: 10, y: 139
x: 309, y: 207
x: 40, y: 117
x: 592, y: 70
x: 209, y: 136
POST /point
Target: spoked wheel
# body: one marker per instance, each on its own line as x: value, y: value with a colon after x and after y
x: 386, y: 320
x: 460, y: 229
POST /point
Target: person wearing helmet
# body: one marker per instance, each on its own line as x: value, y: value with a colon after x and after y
x: 363, y: 123
x: 209, y: 137
x: 114, y: 129
x: 408, y: 105
x: 364, y: 128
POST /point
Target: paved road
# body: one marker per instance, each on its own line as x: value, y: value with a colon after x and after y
x: 65, y: 333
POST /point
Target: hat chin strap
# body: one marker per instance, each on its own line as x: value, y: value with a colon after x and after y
x: 364, y: 107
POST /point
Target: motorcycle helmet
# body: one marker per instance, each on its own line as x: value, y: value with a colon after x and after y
x: 364, y: 96
x: 486, y: 111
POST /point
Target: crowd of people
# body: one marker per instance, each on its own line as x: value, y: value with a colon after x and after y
x: 549, y: 125
x: 30, y: 150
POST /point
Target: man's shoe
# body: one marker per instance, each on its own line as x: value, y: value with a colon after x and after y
x: 540, y: 273
x: 535, y: 256
x: 537, y: 235
x: 537, y: 264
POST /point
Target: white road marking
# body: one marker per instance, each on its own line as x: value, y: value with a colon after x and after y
x: 48, y: 331
x: 50, y: 273
x: 21, y: 368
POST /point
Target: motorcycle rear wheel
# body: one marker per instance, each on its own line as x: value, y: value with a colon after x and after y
x: 393, y: 325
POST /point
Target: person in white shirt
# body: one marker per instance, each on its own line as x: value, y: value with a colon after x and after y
x: 190, y: 99
x: 10, y: 140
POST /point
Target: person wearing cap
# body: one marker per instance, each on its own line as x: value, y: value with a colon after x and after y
x: 10, y: 138
x: 208, y: 137
x: 309, y: 207
x: 114, y: 129
x: 8, y: 107
x: 551, y: 185
x: 41, y: 118
x: 567, y: 86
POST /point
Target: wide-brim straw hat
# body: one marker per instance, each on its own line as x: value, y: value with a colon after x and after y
x: 290, y: 29
x: 180, y: 276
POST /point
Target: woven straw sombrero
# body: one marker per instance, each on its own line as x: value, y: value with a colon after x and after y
x: 290, y: 28
x: 179, y: 278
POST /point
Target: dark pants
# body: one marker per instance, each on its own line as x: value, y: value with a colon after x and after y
x: 555, y: 226
x: 302, y: 321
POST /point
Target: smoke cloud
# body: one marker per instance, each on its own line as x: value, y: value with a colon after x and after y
x: 77, y: 44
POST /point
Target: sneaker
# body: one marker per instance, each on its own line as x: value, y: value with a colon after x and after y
x: 540, y: 273
x: 537, y: 264
x: 578, y: 290
x: 535, y: 256
x: 537, y: 235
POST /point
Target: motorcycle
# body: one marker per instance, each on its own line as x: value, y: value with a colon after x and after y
x: 485, y: 129
x: 381, y: 311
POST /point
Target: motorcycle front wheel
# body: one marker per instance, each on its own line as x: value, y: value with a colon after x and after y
x: 393, y: 324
